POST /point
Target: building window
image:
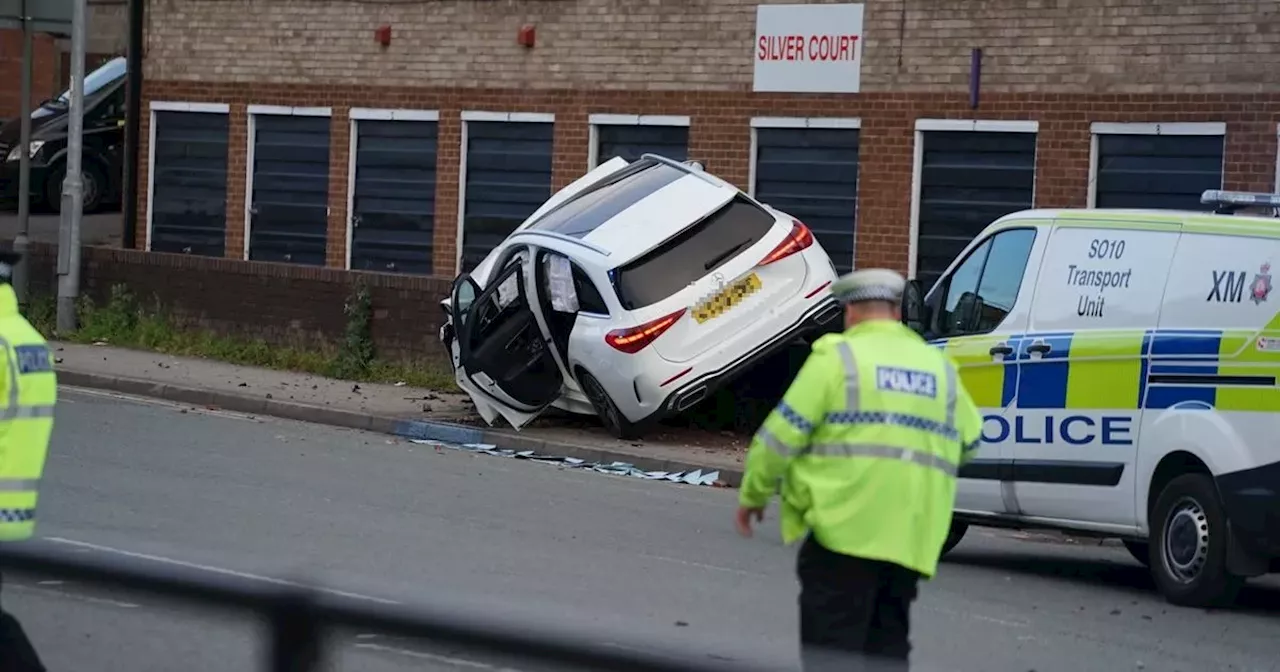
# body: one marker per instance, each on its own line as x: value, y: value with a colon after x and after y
x: 1166, y: 166
x: 808, y: 168
x: 506, y: 177
x: 967, y: 174
x: 631, y: 136
x: 187, y: 191
x: 392, y: 190
x: 287, y: 218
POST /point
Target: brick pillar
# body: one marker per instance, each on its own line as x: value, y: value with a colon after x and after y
x: 1062, y: 161
x: 720, y: 138
x: 237, y: 173
x: 886, y: 152
x: 339, y: 167
x: 448, y: 174
x: 572, y: 147
x: 1250, y: 156
x: 143, y: 169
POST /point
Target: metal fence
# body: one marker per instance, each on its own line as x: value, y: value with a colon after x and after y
x: 299, y: 619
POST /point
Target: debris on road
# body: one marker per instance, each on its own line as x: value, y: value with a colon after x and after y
x: 695, y: 477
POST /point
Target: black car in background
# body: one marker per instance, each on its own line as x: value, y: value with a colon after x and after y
x: 103, y: 156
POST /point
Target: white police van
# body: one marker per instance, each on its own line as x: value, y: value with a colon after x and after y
x: 1127, y: 365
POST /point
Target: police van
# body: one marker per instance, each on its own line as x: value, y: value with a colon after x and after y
x: 1126, y: 363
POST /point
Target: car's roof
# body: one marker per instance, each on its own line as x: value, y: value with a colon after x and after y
x: 634, y: 209
x: 1185, y: 220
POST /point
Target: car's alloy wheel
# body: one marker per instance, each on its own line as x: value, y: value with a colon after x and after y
x: 1188, y: 550
x: 610, y: 416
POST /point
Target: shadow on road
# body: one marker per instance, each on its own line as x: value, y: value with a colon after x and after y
x: 1254, y: 599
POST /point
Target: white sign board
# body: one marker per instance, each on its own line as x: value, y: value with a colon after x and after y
x: 808, y: 48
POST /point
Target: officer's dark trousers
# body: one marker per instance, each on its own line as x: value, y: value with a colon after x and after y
x: 854, y: 613
x: 16, y: 652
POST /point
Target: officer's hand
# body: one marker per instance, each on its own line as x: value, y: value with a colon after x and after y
x: 744, y: 519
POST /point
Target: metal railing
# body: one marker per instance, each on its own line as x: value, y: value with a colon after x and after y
x: 299, y: 619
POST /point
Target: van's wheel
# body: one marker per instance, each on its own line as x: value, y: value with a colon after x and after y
x: 613, y: 420
x: 93, y: 188
x: 1188, y: 548
x: 954, y: 535
x: 1140, y: 550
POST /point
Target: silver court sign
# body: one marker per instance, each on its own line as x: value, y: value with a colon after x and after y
x: 808, y: 48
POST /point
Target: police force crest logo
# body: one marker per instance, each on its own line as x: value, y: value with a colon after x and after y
x: 1261, y: 287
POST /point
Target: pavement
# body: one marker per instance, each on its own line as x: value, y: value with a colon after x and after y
x: 397, y: 410
x: 103, y: 228
x: 616, y: 560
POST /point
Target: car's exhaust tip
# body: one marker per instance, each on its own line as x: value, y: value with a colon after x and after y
x: 691, y: 397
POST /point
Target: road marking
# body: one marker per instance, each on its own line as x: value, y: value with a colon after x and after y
x: 72, y: 596
x: 212, y: 569
x: 691, y: 563
x: 448, y: 660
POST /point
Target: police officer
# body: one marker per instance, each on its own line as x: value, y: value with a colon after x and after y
x: 28, y: 392
x: 866, y: 442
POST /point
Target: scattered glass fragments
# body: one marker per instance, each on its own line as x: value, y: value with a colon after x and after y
x: 695, y: 477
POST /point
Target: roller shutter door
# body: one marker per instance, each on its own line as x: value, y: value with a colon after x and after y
x: 289, y: 213
x: 968, y: 179
x: 633, y: 141
x: 812, y: 174
x: 1157, y: 171
x: 508, y: 177
x: 189, y: 183
x: 393, y: 207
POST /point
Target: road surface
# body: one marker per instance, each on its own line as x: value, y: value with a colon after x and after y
x: 104, y: 228
x: 395, y: 521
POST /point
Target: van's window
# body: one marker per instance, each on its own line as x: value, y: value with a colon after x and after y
x: 107, y: 73
x: 992, y: 274
x: 692, y: 254
x: 599, y: 203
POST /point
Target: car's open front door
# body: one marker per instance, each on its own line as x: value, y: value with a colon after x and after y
x: 505, y: 361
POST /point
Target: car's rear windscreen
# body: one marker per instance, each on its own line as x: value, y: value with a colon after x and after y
x: 691, y: 254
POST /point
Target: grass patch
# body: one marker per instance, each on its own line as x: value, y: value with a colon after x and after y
x: 123, y: 322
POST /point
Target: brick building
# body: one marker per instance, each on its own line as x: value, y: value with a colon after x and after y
x: 285, y: 130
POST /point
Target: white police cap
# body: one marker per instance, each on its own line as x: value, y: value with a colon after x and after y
x: 871, y: 284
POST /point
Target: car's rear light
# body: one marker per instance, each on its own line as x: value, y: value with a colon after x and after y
x: 799, y: 238
x: 637, y: 338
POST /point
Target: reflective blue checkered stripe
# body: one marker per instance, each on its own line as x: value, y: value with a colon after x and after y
x: 793, y: 418
x: 17, y: 515
x: 907, y: 420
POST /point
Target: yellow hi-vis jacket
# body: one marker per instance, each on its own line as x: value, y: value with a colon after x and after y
x: 27, y: 396
x: 867, y: 442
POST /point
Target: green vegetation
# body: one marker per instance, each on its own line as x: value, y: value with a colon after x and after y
x: 124, y: 322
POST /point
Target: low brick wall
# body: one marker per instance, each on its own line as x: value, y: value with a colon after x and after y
x: 280, y: 303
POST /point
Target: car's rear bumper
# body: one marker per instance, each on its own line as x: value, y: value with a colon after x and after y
x: 682, y: 398
x: 1251, y: 498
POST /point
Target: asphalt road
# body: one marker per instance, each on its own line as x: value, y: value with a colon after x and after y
x: 223, y: 493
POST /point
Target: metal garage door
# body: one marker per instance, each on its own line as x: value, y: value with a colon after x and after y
x: 189, y: 183
x: 968, y: 179
x: 290, y: 207
x: 812, y: 173
x: 1157, y: 171
x: 394, y: 205
x: 631, y: 142
x: 508, y: 177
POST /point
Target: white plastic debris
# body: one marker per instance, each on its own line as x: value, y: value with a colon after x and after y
x: 616, y: 468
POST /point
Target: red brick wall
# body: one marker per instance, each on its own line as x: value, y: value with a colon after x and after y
x: 720, y: 137
x: 280, y: 303
x: 44, y: 74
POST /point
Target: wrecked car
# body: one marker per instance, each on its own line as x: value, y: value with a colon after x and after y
x: 632, y: 294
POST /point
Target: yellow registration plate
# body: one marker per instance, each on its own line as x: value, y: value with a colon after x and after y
x: 727, y: 298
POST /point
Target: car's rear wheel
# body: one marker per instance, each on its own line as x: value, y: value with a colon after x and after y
x: 1188, y: 547
x: 610, y: 416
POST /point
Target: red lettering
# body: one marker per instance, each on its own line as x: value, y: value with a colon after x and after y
x: 762, y: 48
x: 807, y: 48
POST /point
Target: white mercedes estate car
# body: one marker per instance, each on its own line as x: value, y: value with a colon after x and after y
x: 632, y: 294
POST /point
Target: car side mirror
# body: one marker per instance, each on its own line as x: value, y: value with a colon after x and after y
x: 464, y: 294
x: 913, y: 308
x: 967, y: 315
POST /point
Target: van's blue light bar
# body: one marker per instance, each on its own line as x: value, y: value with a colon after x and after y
x: 1239, y: 199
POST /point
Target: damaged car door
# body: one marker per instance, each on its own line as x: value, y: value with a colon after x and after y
x: 505, y: 361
